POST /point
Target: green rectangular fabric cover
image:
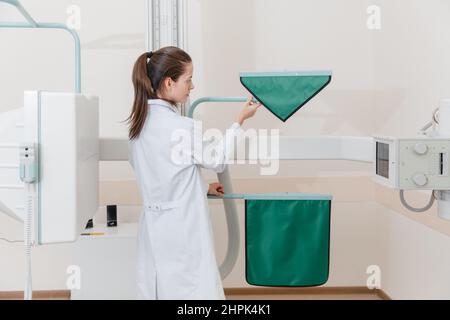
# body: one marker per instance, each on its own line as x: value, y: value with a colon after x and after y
x: 287, y: 242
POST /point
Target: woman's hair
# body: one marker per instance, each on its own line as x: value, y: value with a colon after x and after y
x: 149, y: 72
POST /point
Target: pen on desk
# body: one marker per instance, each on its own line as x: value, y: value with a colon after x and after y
x: 93, y: 234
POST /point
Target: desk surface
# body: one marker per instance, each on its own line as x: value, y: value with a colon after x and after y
x: 123, y: 230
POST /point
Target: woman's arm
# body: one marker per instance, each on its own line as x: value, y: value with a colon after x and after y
x: 214, y: 155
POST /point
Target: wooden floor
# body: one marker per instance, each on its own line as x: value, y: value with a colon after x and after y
x: 319, y: 293
x: 361, y: 296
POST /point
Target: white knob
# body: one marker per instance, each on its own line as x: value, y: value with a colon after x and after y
x: 420, y: 179
x: 420, y: 148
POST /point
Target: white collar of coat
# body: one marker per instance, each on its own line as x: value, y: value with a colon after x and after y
x: 163, y: 103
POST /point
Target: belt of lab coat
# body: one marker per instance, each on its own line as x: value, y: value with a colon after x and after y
x: 160, y: 206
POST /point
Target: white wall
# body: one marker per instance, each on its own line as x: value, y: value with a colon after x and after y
x: 415, y: 258
x: 412, y: 71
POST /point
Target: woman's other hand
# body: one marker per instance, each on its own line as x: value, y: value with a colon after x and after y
x: 216, y: 189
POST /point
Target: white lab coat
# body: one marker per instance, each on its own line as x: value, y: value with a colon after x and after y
x: 175, y: 253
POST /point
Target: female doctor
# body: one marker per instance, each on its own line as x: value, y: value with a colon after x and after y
x: 175, y: 250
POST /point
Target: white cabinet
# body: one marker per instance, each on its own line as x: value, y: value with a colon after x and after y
x: 107, y: 263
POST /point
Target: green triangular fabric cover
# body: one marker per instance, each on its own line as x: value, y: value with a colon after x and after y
x: 285, y: 93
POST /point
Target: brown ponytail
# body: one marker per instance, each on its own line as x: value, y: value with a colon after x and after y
x: 147, y: 75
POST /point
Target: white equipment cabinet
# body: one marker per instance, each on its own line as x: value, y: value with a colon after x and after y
x: 107, y: 263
